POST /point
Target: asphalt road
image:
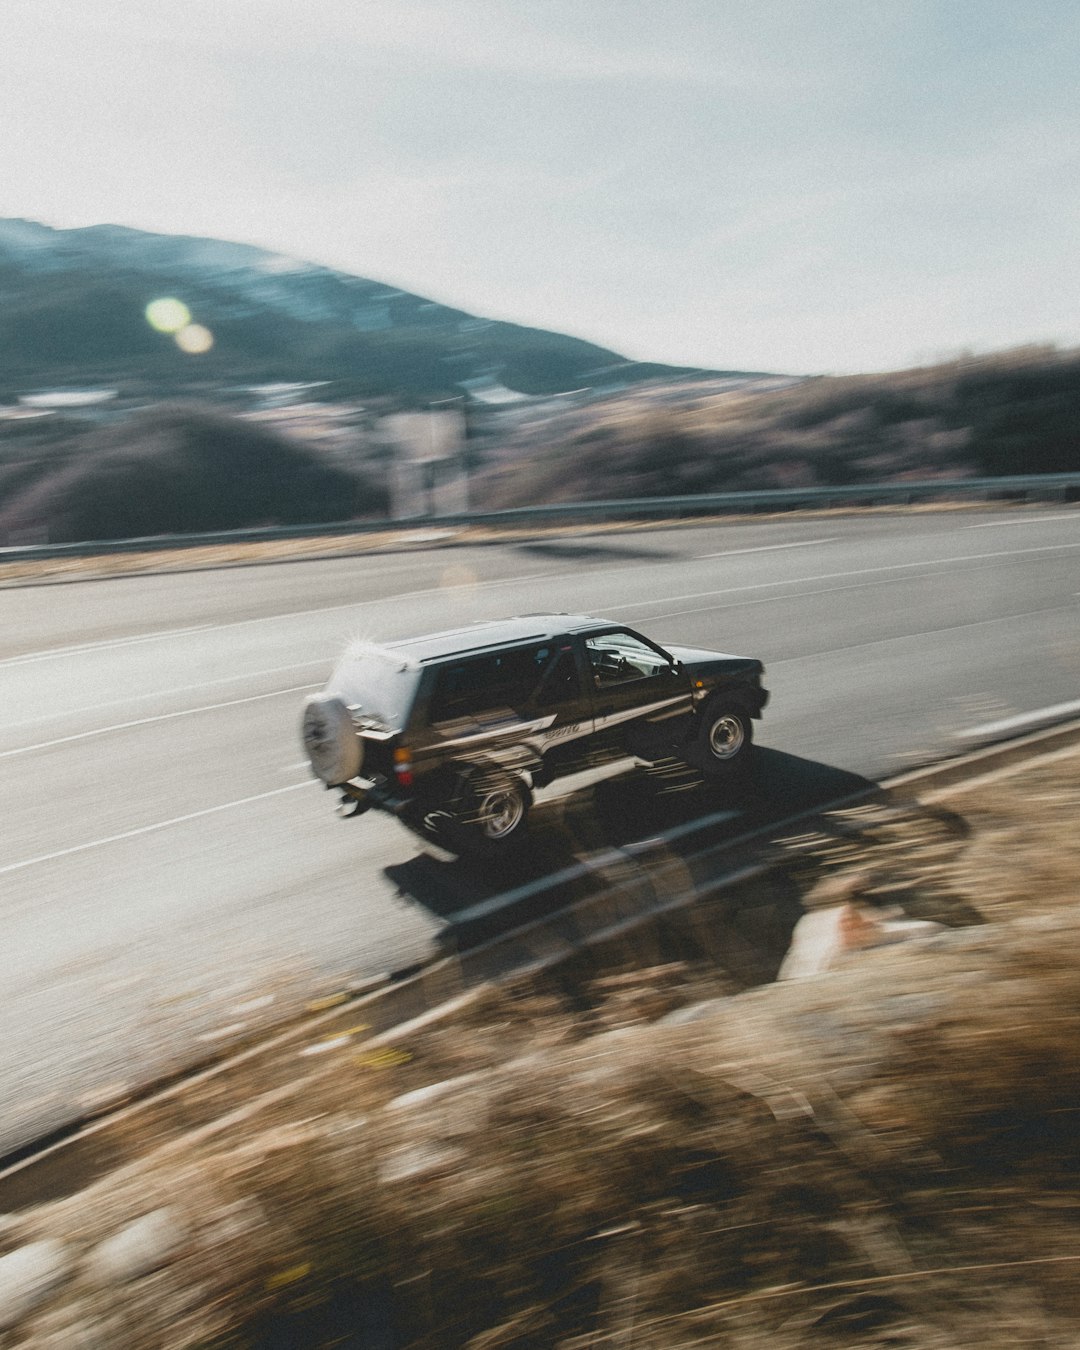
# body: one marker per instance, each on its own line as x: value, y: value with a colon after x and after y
x: 170, y: 875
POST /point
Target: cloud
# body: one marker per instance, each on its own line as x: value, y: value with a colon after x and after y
x: 627, y: 41
x: 852, y: 177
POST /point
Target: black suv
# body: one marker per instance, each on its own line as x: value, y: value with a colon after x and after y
x: 452, y: 731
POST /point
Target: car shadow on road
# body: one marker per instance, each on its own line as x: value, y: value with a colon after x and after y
x: 578, y: 841
x: 594, y: 549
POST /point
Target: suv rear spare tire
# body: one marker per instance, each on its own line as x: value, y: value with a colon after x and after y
x: 333, y: 747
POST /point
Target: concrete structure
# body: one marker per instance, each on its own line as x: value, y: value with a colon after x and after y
x: 428, y: 476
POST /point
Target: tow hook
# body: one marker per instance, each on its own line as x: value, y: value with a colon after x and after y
x: 354, y: 801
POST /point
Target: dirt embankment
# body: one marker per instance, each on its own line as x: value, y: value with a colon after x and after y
x: 885, y: 1154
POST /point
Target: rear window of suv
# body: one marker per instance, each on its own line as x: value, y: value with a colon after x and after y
x: 495, y: 682
x: 377, y: 684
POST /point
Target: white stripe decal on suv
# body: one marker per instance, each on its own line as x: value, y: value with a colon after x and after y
x: 541, y: 732
x: 626, y: 714
x: 500, y: 733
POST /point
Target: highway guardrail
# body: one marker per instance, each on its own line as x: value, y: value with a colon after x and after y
x: 1016, y: 487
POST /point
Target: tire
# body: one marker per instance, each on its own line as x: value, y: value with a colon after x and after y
x: 492, y: 817
x: 724, y: 741
x: 334, y: 749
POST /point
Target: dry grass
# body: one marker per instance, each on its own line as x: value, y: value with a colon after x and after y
x: 885, y: 1155
x: 196, y: 558
x: 1013, y: 412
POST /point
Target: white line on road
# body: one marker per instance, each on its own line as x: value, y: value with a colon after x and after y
x: 768, y: 548
x: 922, y: 632
x: 148, y: 829
x: 855, y: 572
x: 397, y: 600
x: 324, y: 664
x: 1007, y: 724
x: 768, y: 599
x: 77, y: 649
x: 806, y: 595
x: 160, y: 717
x: 1034, y: 520
x: 106, y: 644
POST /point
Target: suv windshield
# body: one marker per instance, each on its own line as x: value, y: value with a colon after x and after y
x: 377, y: 684
x: 617, y: 657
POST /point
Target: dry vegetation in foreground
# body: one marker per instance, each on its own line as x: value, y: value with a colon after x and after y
x: 882, y: 1156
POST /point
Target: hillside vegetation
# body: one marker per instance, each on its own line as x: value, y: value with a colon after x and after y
x: 1012, y: 413
x: 73, y: 311
x: 169, y: 470
x: 176, y: 468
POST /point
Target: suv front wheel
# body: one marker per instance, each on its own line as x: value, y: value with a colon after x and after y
x: 723, y: 742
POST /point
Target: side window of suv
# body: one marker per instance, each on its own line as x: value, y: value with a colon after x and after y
x: 479, y: 686
x: 561, y: 682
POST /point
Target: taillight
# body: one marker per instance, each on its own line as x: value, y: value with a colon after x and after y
x: 403, y: 767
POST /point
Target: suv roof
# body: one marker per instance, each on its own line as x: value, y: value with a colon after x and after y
x: 491, y: 633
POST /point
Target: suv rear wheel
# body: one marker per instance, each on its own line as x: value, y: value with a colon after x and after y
x: 493, y: 813
x: 501, y: 810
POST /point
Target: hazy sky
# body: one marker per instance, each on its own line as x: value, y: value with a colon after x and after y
x: 793, y: 185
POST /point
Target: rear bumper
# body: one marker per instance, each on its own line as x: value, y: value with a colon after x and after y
x: 365, y: 795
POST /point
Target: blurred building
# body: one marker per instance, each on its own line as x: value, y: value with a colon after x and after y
x: 427, y: 473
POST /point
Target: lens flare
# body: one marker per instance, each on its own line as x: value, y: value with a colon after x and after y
x: 457, y: 575
x: 194, y: 339
x: 168, y: 315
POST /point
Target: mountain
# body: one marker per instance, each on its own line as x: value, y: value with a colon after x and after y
x: 73, y: 311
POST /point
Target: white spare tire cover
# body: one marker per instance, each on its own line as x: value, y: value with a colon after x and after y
x: 333, y: 747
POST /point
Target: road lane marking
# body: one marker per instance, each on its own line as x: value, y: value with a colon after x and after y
x: 855, y: 572
x: 769, y: 548
x: 512, y: 581
x: 79, y: 648
x: 1021, y: 720
x: 803, y: 595
x: 906, y: 637
x: 325, y: 664
x: 106, y: 644
x: 1034, y: 520
x: 159, y: 717
x: 149, y: 829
